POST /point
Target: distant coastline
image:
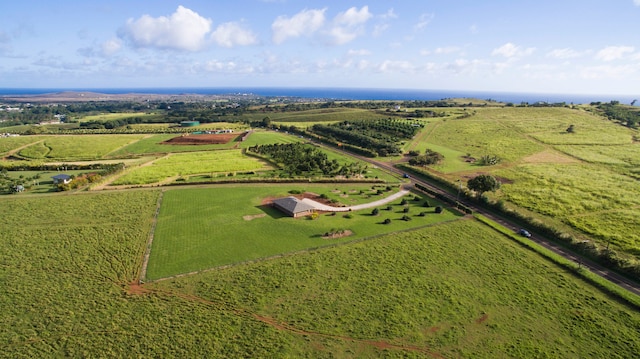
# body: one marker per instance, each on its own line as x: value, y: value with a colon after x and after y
x: 338, y: 94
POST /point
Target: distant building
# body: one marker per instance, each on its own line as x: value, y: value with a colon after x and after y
x: 293, y: 207
x: 61, y: 178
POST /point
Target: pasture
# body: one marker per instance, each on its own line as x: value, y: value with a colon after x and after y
x: 583, y: 179
x: 202, y: 228
x: 450, y: 290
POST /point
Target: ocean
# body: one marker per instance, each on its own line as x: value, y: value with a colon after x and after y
x: 345, y: 94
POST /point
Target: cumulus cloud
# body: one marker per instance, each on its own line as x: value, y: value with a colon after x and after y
x: 348, y: 25
x: 611, y: 53
x: 231, y: 34
x: 185, y: 29
x: 353, y: 17
x: 510, y: 51
x: 303, y: 23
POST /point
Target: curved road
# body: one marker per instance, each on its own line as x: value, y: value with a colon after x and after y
x: 595, y: 268
x: 323, y: 207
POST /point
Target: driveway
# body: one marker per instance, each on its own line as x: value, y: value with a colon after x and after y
x: 323, y: 207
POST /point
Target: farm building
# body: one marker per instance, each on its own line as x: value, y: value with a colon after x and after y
x: 293, y: 206
x: 61, y: 178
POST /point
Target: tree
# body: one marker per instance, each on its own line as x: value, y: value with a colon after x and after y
x: 571, y: 129
x: 375, y: 212
x: 483, y: 183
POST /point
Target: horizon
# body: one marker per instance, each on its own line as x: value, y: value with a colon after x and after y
x: 343, y: 93
x: 460, y: 45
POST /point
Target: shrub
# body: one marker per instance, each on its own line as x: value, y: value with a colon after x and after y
x: 386, y: 221
x: 375, y: 212
x: 405, y: 210
x: 406, y: 218
x: 426, y: 204
x: 438, y: 209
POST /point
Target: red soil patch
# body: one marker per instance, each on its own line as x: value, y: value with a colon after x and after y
x: 205, y: 139
x: 136, y: 289
x: 482, y: 319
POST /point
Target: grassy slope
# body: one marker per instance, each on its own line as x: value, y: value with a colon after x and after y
x: 455, y: 290
x: 542, y: 164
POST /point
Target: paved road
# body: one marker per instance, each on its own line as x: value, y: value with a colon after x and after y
x: 323, y: 207
x: 595, y: 268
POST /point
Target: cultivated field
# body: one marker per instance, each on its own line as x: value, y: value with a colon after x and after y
x: 186, y: 164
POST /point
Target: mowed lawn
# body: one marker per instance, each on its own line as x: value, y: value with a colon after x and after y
x: 204, y: 228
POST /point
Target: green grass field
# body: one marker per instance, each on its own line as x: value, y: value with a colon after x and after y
x: 186, y: 164
x: 11, y: 143
x: 117, y: 116
x: 314, y: 116
x: 454, y: 289
x: 203, y: 228
x: 584, y: 179
x: 77, y: 147
x: 451, y: 290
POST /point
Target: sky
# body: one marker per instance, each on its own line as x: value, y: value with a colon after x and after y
x: 541, y: 46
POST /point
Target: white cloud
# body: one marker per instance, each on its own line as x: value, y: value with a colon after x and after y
x: 424, y: 20
x: 305, y: 22
x: 563, y: 54
x: 390, y: 66
x: 353, y: 17
x: 183, y: 30
x: 348, y: 25
x: 447, y: 50
x: 361, y: 52
x: 611, y: 53
x: 231, y: 34
x: 510, y: 50
x: 110, y: 47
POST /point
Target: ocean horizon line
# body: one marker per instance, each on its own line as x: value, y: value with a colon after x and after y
x: 337, y: 93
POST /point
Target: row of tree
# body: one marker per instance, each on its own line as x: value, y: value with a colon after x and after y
x: 298, y: 159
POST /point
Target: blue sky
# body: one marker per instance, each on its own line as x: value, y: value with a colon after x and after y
x: 561, y: 46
